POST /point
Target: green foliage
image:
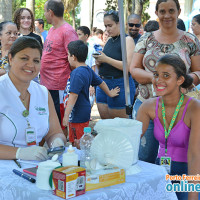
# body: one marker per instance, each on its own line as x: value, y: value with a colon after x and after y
x: 113, y: 5
x: 18, y: 4
x: 68, y: 16
x: 145, y: 15
x: 39, y: 12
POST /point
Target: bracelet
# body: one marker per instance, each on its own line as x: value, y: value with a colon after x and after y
x: 198, y: 76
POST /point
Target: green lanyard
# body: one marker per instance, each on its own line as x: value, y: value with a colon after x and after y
x: 172, y: 121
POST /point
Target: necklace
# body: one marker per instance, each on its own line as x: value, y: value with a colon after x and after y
x: 115, y: 38
x: 177, y: 109
x: 25, y: 113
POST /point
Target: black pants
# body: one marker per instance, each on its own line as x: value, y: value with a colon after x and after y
x: 56, y: 100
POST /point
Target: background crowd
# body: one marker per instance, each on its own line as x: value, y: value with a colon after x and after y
x: 71, y: 68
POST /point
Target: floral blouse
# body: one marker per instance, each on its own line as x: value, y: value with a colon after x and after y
x: 188, y: 45
x: 3, y: 62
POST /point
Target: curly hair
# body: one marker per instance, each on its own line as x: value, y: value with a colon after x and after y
x: 17, y: 17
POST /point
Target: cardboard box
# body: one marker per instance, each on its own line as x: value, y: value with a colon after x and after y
x: 68, y: 181
x: 104, y: 178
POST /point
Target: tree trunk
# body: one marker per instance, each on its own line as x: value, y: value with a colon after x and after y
x: 73, y: 18
x: 133, y: 6
x: 138, y: 7
x: 31, y: 5
x: 5, y: 10
x: 92, y: 16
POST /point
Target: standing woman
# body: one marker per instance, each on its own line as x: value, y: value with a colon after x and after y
x: 24, y: 19
x: 196, y: 25
x: 8, y: 34
x: 111, y: 69
x: 151, y: 46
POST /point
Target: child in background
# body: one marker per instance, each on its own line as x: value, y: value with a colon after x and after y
x: 83, y: 33
x: 78, y: 109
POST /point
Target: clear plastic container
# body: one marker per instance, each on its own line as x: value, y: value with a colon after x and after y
x: 85, y: 144
x: 70, y: 158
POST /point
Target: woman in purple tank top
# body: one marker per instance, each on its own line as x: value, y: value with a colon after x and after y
x: 175, y: 116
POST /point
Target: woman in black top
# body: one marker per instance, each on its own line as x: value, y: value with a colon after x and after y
x: 24, y: 19
x: 111, y: 69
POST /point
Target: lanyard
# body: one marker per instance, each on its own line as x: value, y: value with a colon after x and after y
x: 172, y: 121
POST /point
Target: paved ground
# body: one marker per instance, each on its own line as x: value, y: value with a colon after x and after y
x: 94, y: 116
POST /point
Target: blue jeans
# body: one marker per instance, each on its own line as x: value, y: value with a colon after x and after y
x: 178, y: 168
x: 117, y: 102
x: 149, y: 145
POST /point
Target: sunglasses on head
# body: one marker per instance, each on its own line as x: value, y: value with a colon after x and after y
x: 136, y: 25
x: 112, y: 12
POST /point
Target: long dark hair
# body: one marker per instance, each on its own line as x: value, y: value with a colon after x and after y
x: 24, y: 42
x: 179, y: 67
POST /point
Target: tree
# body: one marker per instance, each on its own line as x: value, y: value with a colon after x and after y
x: 39, y: 11
x: 5, y: 10
x: 70, y: 5
x: 131, y: 6
x: 91, y: 25
x: 31, y: 5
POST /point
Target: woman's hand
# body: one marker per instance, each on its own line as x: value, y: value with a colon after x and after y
x: 100, y: 58
x: 32, y: 153
x: 114, y: 92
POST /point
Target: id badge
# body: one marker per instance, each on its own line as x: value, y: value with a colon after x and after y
x: 166, y: 162
x: 30, y: 136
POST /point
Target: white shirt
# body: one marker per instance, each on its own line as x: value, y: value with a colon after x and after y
x: 90, y: 61
x: 12, y: 122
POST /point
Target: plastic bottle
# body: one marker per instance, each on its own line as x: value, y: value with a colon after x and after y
x: 85, y: 144
x: 98, y: 48
x: 70, y: 158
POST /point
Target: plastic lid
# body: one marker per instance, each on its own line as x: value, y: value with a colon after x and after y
x: 70, y: 149
x: 87, y: 129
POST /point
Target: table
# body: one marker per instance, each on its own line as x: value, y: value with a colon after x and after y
x: 147, y: 185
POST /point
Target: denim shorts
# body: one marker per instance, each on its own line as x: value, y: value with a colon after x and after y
x: 117, y: 102
x: 148, y: 150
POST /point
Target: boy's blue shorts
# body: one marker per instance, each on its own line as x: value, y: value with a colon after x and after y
x: 117, y: 102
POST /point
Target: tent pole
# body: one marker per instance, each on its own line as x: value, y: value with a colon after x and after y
x: 124, y: 59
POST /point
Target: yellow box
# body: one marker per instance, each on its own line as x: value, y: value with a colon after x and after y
x: 69, y: 181
x: 104, y: 178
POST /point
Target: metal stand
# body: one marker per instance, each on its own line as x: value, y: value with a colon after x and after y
x: 124, y: 59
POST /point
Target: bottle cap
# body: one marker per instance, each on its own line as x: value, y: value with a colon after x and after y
x: 87, y: 129
x: 70, y: 149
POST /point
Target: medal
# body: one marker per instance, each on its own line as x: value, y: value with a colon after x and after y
x: 25, y: 113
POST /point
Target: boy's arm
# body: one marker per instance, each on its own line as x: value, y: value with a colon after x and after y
x: 111, y: 93
x: 70, y: 104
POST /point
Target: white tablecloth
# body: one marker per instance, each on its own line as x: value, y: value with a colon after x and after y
x: 149, y: 184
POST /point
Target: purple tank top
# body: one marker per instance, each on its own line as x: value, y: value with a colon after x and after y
x: 178, y: 139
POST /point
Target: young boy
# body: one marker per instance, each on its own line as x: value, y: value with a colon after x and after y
x: 78, y: 109
x: 83, y: 33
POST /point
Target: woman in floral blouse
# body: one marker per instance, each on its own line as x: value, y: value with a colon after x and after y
x: 150, y: 47
x: 8, y: 34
